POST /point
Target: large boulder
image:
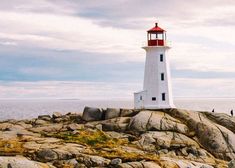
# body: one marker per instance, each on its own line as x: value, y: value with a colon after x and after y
x: 116, y: 112
x: 215, y: 138
x: 170, y: 162
x: 112, y: 113
x: 166, y: 140
x: 20, y: 162
x: 46, y: 155
x: 222, y: 119
x: 56, y: 115
x: 92, y: 114
x: 156, y: 120
x: 93, y: 161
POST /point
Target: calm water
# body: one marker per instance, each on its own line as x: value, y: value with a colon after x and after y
x: 21, y: 109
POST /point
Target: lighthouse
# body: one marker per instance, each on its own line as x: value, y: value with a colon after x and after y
x: 157, y: 91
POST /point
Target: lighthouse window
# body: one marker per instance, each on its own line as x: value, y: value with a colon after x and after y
x: 154, y: 99
x: 141, y: 98
x: 163, y: 96
x: 162, y: 76
x: 161, y: 57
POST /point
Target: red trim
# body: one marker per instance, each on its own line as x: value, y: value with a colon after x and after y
x: 156, y: 42
x: 156, y: 29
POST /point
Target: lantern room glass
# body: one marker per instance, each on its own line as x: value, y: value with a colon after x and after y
x: 156, y: 36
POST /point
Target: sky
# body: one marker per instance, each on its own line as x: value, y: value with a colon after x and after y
x: 92, y: 49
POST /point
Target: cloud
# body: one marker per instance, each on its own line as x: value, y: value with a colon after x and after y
x: 66, y: 65
x: 42, y: 6
x: 66, y: 40
x: 65, y: 89
x: 182, y: 87
x: 62, y: 32
x: 40, y: 71
x: 203, y: 87
x: 8, y: 43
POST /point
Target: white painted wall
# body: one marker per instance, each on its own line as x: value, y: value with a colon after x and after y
x: 153, y: 85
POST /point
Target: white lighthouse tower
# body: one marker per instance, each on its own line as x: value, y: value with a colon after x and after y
x: 157, y: 92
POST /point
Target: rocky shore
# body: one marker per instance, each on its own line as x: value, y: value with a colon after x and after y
x: 120, y: 138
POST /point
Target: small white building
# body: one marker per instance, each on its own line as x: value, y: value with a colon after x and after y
x: 157, y: 91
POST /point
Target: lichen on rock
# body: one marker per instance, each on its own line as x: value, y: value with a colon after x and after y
x: 167, y: 138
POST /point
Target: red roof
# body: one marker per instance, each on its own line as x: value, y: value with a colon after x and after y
x: 156, y: 29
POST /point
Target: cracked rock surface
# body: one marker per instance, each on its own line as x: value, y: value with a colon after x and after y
x: 122, y: 138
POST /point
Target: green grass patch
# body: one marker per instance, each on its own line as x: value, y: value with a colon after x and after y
x: 95, y: 139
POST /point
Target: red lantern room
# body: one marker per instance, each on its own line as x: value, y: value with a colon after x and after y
x: 156, y: 36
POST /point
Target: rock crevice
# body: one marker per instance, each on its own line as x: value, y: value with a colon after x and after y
x: 119, y: 138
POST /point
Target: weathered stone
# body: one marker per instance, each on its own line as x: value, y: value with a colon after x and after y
x: 90, y: 125
x: 75, y: 117
x: 46, y: 155
x: 24, y: 125
x: 48, y: 128
x: 31, y: 146
x: 44, y: 117
x: 62, y: 154
x: 74, y: 126
x: 99, y: 127
x: 231, y: 164
x: 79, y: 165
x: 131, y: 165
x: 66, y: 118
x: 147, y: 142
x: 74, y: 149
x: 156, y: 120
x: 5, y: 126
x: 118, y: 135
x: 15, y: 128
x: 222, y: 119
x: 128, y: 112
x: 205, y: 166
x: 40, y: 122
x: 165, y: 140
x: 163, y: 151
x: 116, y: 161
x: 93, y: 161
x: 112, y: 113
x: 58, y: 120
x: 139, y: 165
x: 171, y: 137
x: 184, y: 151
x: 72, y: 162
x: 20, y: 162
x: 114, y: 127
x: 56, y: 115
x: 119, y: 124
x: 92, y: 114
x: 151, y: 165
x: 172, y: 162
x: 217, y: 139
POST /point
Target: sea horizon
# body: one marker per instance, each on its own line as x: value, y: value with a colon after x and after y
x: 32, y: 107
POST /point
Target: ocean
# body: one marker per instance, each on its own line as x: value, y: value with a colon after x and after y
x: 31, y: 108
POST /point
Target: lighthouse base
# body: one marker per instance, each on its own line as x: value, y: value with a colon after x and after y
x: 142, y: 101
x: 158, y: 107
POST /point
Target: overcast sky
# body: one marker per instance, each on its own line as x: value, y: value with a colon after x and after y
x: 92, y: 49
